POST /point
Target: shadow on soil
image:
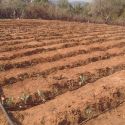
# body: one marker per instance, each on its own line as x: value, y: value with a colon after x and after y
x: 16, y: 122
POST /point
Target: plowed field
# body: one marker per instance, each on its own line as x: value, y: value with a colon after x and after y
x: 62, y: 73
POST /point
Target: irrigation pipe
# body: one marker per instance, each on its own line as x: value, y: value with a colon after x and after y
x: 6, y: 114
x: 10, y: 122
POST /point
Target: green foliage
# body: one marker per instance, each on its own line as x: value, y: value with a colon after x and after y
x: 89, y: 112
x: 25, y: 98
x: 41, y: 95
x: 78, y: 8
x: 41, y: 1
x: 63, y: 3
x: 9, y: 102
x: 82, y: 80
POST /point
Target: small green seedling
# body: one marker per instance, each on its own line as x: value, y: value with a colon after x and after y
x: 25, y: 98
x: 9, y: 102
x: 89, y: 112
x: 41, y: 95
x: 82, y: 80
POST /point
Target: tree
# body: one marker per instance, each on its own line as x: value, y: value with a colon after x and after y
x: 63, y: 4
x: 108, y: 10
x: 41, y: 1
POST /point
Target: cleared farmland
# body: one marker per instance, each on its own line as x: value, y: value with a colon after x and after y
x: 61, y: 73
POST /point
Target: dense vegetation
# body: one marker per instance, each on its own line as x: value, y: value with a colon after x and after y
x: 107, y: 11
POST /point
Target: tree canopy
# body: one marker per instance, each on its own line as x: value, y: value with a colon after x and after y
x: 99, y: 10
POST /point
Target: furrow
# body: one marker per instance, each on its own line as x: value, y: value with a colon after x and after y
x: 67, y: 85
x: 46, y: 72
x: 57, y: 57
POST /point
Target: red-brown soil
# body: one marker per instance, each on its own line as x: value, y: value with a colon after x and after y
x: 113, y: 117
x: 3, y: 120
x: 70, y: 73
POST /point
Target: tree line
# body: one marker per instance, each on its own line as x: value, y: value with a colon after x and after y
x: 105, y: 11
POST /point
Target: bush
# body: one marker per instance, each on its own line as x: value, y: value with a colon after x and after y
x: 99, y: 11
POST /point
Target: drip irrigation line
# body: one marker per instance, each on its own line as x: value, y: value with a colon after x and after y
x: 10, y: 122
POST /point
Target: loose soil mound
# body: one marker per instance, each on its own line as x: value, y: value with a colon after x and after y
x: 114, y: 117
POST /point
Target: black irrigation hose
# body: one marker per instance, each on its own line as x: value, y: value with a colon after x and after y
x: 6, y: 114
x: 10, y: 122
